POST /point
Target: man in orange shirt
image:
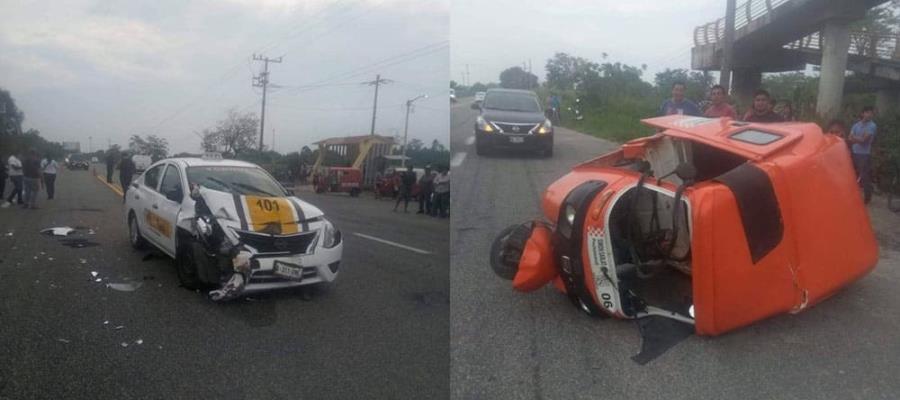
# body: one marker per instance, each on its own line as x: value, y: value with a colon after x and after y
x: 719, y: 108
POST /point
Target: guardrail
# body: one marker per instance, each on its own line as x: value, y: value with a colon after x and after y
x: 744, y: 14
x: 865, y: 44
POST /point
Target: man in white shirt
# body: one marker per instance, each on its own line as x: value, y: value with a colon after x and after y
x: 49, y: 167
x: 14, y: 168
x: 442, y: 193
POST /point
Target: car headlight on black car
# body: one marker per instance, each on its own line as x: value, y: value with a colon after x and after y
x: 331, y: 236
x: 483, y: 125
x: 545, y: 128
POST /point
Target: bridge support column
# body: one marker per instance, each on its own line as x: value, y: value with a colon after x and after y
x: 886, y: 99
x: 744, y: 83
x: 835, y: 44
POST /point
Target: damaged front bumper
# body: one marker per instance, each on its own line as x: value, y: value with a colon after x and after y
x: 276, y: 272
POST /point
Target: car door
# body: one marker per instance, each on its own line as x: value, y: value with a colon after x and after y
x: 148, y: 197
x: 168, y: 205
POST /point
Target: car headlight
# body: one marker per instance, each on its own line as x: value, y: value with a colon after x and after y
x: 483, y: 125
x: 331, y: 236
x: 546, y: 127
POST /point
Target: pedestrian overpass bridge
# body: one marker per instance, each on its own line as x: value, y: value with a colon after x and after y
x: 786, y: 35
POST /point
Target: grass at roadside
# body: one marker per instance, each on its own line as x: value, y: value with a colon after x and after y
x: 618, y: 122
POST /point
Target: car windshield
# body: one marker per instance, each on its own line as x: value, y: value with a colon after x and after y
x: 507, y: 101
x: 232, y: 179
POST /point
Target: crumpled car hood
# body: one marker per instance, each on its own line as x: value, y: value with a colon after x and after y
x: 275, y: 215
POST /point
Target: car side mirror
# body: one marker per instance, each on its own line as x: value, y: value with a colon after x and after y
x: 475, y: 106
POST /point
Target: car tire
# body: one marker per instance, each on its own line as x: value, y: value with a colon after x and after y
x: 507, y: 250
x: 548, y: 151
x: 186, y: 267
x: 481, y: 148
x: 134, y: 233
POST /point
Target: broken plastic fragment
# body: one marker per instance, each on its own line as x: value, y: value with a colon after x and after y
x: 119, y: 327
x: 124, y: 344
x: 125, y: 287
x: 9, y: 233
x: 64, y: 340
x: 50, y: 258
x: 98, y: 280
x: 58, y: 231
x: 139, y: 341
x: 241, y: 261
x: 105, y: 322
x: 83, y: 261
x: 94, y: 274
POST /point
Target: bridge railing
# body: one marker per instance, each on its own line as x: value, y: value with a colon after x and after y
x: 744, y: 14
x: 866, y: 44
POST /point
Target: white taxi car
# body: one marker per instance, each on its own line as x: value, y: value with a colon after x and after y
x: 204, y: 212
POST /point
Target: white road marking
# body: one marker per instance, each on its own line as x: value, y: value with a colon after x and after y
x: 470, y: 140
x: 458, y: 159
x: 395, y: 244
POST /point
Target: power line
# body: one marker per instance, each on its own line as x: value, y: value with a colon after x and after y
x: 262, y: 80
x: 384, y: 63
x: 377, y: 82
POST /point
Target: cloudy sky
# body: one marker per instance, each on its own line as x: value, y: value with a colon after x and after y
x: 109, y: 69
x: 491, y: 36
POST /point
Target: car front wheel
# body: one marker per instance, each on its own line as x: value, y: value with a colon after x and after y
x: 186, y: 265
x: 134, y: 233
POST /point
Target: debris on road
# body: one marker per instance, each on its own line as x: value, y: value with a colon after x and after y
x: 83, y: 261
x: 78, y: 243
x: 139, y: 341
x: 10, y: 233
x: 64, y: 340
x: 94, y: 274
x: 119, y: 327
x: 57, y: 231
x: 124, y: 344
x: 125, y: 286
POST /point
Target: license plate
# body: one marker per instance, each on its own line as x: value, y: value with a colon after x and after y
x: 514, y: 139
x: 290, y: 271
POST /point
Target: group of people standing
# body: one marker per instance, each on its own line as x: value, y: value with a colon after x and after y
x: 763, y: 109
x: 859, y: 140
x: 28, y: 174
x: 433, y: 191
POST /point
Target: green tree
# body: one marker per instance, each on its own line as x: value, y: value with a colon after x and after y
x: 517, y: 78
x: 564, y: 72
x: 696, y: 83
x: 235, y: 134
x: 11, y: 117
x: 876, y: 28
x: 154, y: 146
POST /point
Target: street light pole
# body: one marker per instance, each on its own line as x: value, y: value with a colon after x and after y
x: 406, y: 127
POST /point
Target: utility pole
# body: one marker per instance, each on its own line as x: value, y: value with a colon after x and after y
x: 467, y: 80
x: 406, y: 127
x: 377, y: 82
x: 262, y: 80
x: 728, y: 48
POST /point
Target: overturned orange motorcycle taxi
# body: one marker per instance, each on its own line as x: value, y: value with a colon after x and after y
x: 711, y: 222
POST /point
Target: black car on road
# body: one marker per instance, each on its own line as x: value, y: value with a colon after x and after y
x: 512, y: 119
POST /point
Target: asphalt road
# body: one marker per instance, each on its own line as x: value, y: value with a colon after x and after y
x: 381, y: 331
x: 510, y: 345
